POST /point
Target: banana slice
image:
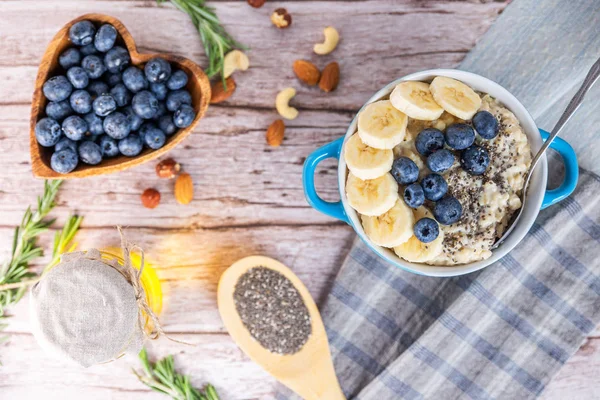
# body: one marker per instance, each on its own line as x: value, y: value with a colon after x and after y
x: 372, y: 196
x: 455, y: 97
x: 381, y: 126
x: 366, y: 162
x: 392, y: 228
x: 414, y: 99
x: 413, y: 250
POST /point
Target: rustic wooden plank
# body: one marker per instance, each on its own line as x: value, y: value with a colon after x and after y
x: 417, y: 36
x: 190, y: 262
x: 27, y: 373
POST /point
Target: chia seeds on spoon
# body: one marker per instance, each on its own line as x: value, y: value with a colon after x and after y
x: 272, y: 310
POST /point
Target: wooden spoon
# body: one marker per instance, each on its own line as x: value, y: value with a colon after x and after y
x: 198, y: 86
x: 309, y: 372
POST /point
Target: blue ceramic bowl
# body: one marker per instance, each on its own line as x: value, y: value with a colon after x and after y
x: 538, y: 197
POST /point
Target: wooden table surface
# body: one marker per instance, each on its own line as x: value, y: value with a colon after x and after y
x: 248, y: 197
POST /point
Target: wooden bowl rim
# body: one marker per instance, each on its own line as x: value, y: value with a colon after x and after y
x: 42, y: 170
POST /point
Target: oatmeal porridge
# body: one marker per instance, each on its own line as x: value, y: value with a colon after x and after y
x: 436, y: 171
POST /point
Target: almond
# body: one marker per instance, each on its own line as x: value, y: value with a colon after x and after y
x: 184, y: 189
x: 221, y: 93
x: 150, y: 198
x: 307, y: 72
x: 330, y: 77
x: 275, y: 133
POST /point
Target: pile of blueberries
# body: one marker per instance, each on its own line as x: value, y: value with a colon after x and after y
x: 430, y: 143
x: 103, y: 106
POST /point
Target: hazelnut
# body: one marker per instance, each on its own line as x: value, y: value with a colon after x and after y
x: 150, y: 198
x: 167, y: 168
x: 281, y: 19
x: 256, y: 3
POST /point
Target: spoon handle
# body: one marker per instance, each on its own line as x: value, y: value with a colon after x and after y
x: 574, y: 104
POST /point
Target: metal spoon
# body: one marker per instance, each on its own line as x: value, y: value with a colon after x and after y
x: 574, y: 104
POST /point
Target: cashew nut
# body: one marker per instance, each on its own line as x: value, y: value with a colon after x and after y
x: 332, y: 38
x: 281, y: 103
x: 233, y: 61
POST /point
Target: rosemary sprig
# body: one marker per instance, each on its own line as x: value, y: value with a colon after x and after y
x: 24, y: 248
x: 63, y: 240
x: 215, y: 39
x: 163, y: 378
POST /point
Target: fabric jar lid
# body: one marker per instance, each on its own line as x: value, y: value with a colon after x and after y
x: 84, y: 310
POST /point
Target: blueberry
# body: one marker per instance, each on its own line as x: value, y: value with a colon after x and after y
x: 74, y: 127
x: 134, y: 79
x: 414, y: 196
x: 47, y: 132
x: 448, y: 210
x: 429, y: 140
x: 162, y: 110
x: 426, y: 230
x: 184, y: 116
x: 90, y: 152
x: 131, y: 145
x: 434, y: 187
x: 64, y: 161
x: 145, y: 104
x: 82, y: 33
x: 153, y: 137
x: 78, y: 77
x: 404, y: 170
x: 485, y: 124
x: 104, y: 105
x: 165, y: 123
x: 116, y: 125
x: 94, y: 66
x: 81, y: 101
x: 98, y: 88
x: 178, y: 80
x: 112, y: 79
x: 134, y: 120
x: 94, y: 123
x: 59, y: 110
x: 65, y: 143
x: 460, y: 136
x: 440, y: 160
x: 121, y: 95
x: 475, y: 160
x: 57, y: 88
x: 117, y: 59
x: 105, y: 38
x: 88, y: 50
x: 109, y: 146
x: 157, y: 70
x: 176, y: 98
x: 69, y: 58
x: 160, y: 90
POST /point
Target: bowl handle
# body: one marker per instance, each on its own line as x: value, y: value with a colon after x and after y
x: 330, y: 150
x: 569, y: 157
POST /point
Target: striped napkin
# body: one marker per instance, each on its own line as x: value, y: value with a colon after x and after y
x: 503, y: 332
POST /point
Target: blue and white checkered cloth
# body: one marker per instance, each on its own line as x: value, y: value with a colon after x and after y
x: 501, y: 333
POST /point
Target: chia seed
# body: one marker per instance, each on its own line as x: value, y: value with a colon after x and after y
x: 272, y: 310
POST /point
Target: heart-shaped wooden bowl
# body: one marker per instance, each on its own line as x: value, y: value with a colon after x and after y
x: 198, y: 86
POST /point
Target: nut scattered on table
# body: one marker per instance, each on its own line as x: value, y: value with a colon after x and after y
x: 233, y: 61
x: 281, y: 18
x: 307, y: 72
x: 275, y: 133
x: 282, y: 103
x: 184, y: 189
x: 221, y: 93
x: 150, y: 198
x: 332, y: 38
x: 330, y: 77
x: 256, y: 3
x: 168, y: 168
